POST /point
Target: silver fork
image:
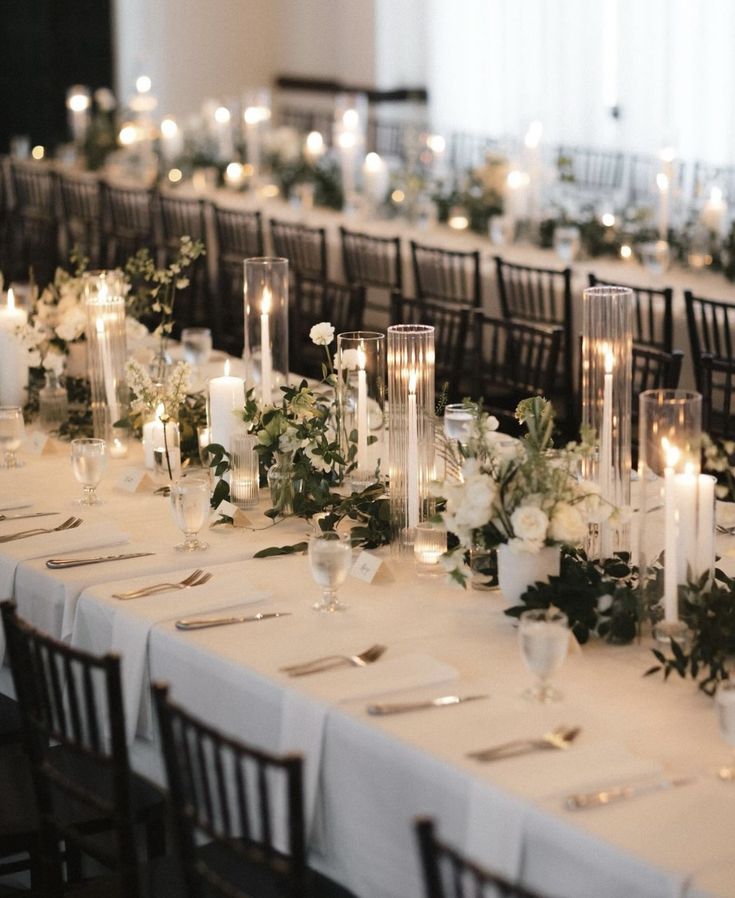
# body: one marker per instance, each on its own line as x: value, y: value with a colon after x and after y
x: 68, y: 524
x: 329, y: 661
x: 560, y: 737
x: 196, y: 578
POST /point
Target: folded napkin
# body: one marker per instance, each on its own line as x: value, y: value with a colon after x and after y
x: 86, y: 536
x: 304, y: 716
x: 18, y: 502
x: 133, y: 620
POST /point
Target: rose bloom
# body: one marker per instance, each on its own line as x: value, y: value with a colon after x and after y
x: 322, y: 334
x: 349, y: 359
x: 529, y: 523
x: 567, y: 525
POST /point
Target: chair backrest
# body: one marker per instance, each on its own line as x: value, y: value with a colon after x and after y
x: 303, y: 246
x: 34, y: 189
x: 653, y: 369
x: 543, y: 295
x: 128, y: 222
x: 316, y: 300
x: 179, y: 217
x: 81, y: 208
x: 74, y: 700
x: 711, y: 325
x: 451, y: 327
x: 447, y: 874
x: 591, y: 168
x: 515, y: 360
x: 239, y: 235
x: 249, y: 802
x: 468, y: 151
x: 653, y: 319
x: 706, y: 175
x: 718, y: 396
x: 446, y: 275
x: 371, y: 261
x: 387, y: 138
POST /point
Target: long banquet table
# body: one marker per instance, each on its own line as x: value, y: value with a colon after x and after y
x: 367, y: 778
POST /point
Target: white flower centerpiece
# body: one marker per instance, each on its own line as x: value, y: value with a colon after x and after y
x: 520, y: 497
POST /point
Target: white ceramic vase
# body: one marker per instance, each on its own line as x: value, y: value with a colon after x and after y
x: 519, y: 570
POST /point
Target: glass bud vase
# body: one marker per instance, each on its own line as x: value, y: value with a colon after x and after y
x: 282, y: 484
x: 53, y: 403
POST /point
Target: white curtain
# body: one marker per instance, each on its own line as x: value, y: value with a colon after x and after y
x: 495, y: 65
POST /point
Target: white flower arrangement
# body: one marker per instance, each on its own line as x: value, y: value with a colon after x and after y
x: 517, y: 491
x: 322, y: 334
x: 148, y: 395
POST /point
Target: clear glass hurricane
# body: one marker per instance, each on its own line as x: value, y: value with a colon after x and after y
x: 12, y: 431
x: 544, y: 639
x: 330, y: 559
x: 725, y: 702
x: 89, y: 462
x: 190, y: 508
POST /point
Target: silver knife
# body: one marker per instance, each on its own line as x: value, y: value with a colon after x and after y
x: 19, y: 517
x: 620, y: 793
x: 201, y: 623
x: 441, y: 702
x: 59, y: 563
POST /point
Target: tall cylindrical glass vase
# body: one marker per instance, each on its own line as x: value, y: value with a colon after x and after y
x: 266, y: 326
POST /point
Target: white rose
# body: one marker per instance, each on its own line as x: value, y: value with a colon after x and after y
x: 529, y: 523
x: 476, y: 505
x: 349, y: 359
x: 322, y: 334
x: 72, y: 324
x: 134, y: 330
x: 34, y: 358
x: 54, y: 361
x: 567, y: 525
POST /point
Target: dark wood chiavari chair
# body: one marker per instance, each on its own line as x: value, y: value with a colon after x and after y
x: 542, y: 296
x: 245, y: 803
x: 314, y: 301
x: 35, y: 234
x: 375, y: 263
x: 448, y: 276
x: 452, y: 327
x: 306, y: 120
x: 239, y: 237
x: 129, y: 223
x: 653, y: 369
x: 592, y: 169
x: 711, y: 325
x: 447, y: 874
x: 642, y: 171
x: 718, y: 396
x: 514, y: 361
x: 81, y: 215
x: 387, y: 138
x: 653, y: 317
x: 181, y: 217
x: 304, y: 247
x: 74, y: 735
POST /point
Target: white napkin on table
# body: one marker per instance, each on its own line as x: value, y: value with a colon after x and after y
x: 304, y: 716
x: 18, y: 502
x: 133, y: 620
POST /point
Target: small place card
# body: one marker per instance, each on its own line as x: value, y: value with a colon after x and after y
x: 230, y: 510
x: 368, y: 567
x: 132, y: 479
x: 38, y: 443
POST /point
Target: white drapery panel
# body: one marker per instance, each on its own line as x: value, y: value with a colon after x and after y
x: 495, y: 65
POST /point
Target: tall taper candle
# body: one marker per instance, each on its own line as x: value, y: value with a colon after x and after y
x: 413, y: 450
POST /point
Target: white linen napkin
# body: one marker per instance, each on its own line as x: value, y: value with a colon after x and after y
x: 134, y: 619
x: 303, y: 717
x: 17, y: 502
x: 84, y: 537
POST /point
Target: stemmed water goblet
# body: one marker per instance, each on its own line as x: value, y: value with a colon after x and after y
x: 725, y: 702
x: 190, y: 508
x: 12, y: 431
x: 330, y: 559
x: 88, y: 462
x: 544, y: 640
x: 458, y: 418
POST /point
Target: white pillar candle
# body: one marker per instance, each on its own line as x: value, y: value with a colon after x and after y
x: 606, y: 449
x: 266, y: 359
x: 714, y: 211
x: 314, y: 147
x: 685, y: 499
x: 254, y: 118
x: 438, y: 146
x: 223, y: 133
x: 412, y: 487
x: 148, y: 443
x: 13, y: 366
x: 226, y: 399
x: 347, y: 145
x: 234, y: 175
x: 663, y: 184
x: 671, y: 603
x: 375, y: 178
x: 172, y: 140
x: 362, y: 412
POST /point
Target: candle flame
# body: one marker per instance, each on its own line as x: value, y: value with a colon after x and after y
x: 227, y: 368
x: 715, y: 195
x: 609, y: 359
x: 671, y: 453
x: 11, y: 298
x: 690, y: 468
x: 662, y: 182
x: 412, y: 378
x: 160, y: 411
x: 265, y: 302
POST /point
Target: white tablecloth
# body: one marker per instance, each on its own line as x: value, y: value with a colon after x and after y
x: 374, y: 775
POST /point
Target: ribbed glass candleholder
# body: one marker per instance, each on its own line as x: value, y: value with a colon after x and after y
x: 266, y: 326
x: 360, y: 364
x: 106, y: 351
x: 607, y: 351
x: 411, y: 428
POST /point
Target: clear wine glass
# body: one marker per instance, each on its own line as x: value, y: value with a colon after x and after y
x: 12, y: 431
x: 330, y: 558
x: 88, y: 462
x: 725, y: 702
x: 457, y: 420
x: 544, y: 639
x: 190, y: 507
x: 197, y: 344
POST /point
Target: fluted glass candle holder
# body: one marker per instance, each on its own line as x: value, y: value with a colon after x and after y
x: 411, y: 428
x: 245, y: 463
x: 256, y: 115
x: 266, y: 326
x: 349, y: 138
x: 676, y: 521
x: 106, y: 353
x: 607, y: 350
x: 360, y: 363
